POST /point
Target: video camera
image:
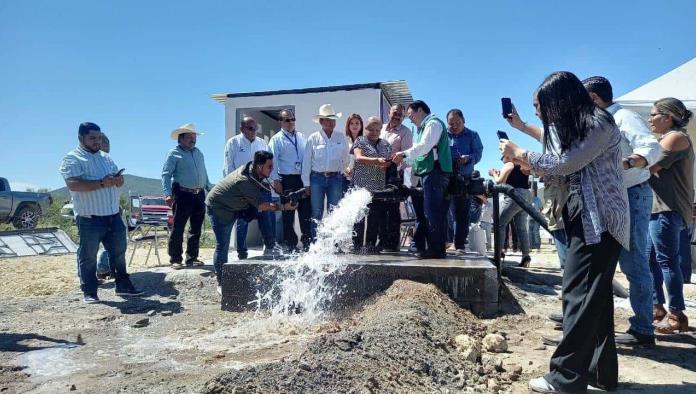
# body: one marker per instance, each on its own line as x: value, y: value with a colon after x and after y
x: 293, y: 197
x: 462, y: 186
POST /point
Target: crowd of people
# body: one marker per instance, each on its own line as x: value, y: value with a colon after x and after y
x: 613, y: 194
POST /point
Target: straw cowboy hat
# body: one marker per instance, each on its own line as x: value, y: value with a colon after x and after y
x: 187, y: 128
x: 326, y: 111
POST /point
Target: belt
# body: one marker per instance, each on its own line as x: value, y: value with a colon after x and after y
x: 97, y: 216
x: 290, y: 174
x: 187, y: 190
x: 326, y: 174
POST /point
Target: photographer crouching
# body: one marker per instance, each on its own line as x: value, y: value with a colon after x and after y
x: 240, y: 195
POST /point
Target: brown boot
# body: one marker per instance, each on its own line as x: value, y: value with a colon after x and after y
x: 673, y: 322
x: 659, y: 313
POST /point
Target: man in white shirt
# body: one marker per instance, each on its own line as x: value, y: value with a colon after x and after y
x: 239, y: 151
x: 640, y: 150
x: 288, y: 148
x: 325, y: 158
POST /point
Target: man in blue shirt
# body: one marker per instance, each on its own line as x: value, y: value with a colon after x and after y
x: 466, y: 149
x: 184, y: 181
x: 93, y: 180
x: 288, y: 148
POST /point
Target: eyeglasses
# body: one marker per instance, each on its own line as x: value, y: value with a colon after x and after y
x: 288, y: 120
x: 249, y: 128
x: 374, y: 129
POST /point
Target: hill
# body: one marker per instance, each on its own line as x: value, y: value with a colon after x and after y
x: 134, y: 184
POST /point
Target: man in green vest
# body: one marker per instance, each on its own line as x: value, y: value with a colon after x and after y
x: 431, y: 159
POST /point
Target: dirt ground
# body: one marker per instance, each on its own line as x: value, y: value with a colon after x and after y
x: 402, y: 340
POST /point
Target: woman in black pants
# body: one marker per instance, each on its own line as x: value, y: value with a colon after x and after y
x: 597, y: 224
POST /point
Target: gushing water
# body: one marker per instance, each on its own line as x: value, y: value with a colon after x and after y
x: 303, y: 283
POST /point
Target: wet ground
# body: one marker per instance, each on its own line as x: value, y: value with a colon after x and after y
x: 402, y: 340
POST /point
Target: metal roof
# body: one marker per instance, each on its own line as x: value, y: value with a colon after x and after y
x: 397, y: 92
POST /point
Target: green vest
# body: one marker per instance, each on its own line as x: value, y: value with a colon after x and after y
x: 425, y: 164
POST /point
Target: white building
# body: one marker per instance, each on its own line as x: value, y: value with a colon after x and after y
x: 367, y: 99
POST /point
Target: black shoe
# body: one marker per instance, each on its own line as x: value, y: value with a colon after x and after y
x: 556, y: 317
x: 90, y: 299
x: 525, y: 261
x: 633, y: 338
x: 127, y: 290
x: 551, y: 341
x: 104, y: 275
x: 242, y: 256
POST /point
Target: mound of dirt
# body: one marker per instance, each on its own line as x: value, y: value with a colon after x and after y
x: 403, y: 340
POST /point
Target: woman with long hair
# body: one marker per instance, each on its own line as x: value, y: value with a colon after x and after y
x: 354, y: 129
x: 672, y: 184
x: 596, y: 218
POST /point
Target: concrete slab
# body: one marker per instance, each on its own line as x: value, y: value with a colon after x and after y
x: 470, y: 280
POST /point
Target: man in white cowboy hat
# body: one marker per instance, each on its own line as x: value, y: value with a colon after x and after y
x: 184, y: 181
x: 325, y: 158
x: 239, y: 151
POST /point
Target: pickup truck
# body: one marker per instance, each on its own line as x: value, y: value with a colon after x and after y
x: 22, y: 209
x: 150, y: 210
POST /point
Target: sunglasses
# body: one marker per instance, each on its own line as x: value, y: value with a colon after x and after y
x: 288, y: 120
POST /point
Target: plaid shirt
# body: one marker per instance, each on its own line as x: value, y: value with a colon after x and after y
x: 598, y: 160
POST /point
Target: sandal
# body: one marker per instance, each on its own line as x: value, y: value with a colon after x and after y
x: 194, y: 262
x: 659, y: 313
x: 673, y: 323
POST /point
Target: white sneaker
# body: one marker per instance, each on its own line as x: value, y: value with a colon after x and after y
x: 540, y: 385
x: 219, y: 290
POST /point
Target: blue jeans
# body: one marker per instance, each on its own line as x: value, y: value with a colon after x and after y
x: 559, y: 239
x: 103, y: 263
x: 266, y: 221
x: 435, y: 208
x: 634, y: 263
x: 509, y: 210
x: 685, y: 253
x: 110, y: 231
x: 321, y: 187
x: 663, y: 251
x: 223, y: 234
x: 534, y: 236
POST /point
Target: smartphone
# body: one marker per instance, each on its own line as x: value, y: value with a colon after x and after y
x: 120, y: 172
x: 507, y: 106
x: 502, y: 135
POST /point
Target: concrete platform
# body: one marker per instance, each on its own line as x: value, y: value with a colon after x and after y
x: 470, y: 280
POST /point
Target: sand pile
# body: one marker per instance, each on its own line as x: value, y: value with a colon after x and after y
x: 402, y: 340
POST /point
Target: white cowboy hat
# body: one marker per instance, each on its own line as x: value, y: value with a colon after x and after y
x: 326, y: 111
x: 187, y: 128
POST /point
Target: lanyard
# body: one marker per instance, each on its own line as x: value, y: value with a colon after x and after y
x: 294, y: 143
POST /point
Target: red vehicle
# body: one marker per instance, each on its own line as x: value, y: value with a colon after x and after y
x: 151, y: 210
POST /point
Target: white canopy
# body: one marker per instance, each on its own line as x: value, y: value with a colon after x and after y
x: 679, y: 83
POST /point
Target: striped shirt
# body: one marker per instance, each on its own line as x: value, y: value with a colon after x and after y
x: 88, y: 166
x: 598, y: 160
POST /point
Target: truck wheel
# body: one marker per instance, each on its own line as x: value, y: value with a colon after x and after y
x: 27, y: 217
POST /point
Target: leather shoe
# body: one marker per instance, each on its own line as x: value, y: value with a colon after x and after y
x: 551, y: 340
x: 633, y: 338
x: 556, y: 317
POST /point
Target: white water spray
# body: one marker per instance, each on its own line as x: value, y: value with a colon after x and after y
x: 303, y: 283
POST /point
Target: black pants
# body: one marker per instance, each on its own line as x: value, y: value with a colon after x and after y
x: 587, y: 351
x: 186, y: 206
x: 376, y: 214
x: 421, y: 231
x: 304, y: 210
x: 390, y: 226
x: 461, y: 206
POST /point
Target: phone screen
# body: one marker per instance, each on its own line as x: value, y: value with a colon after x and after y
x: 507, y: 106
x: 502, y: 135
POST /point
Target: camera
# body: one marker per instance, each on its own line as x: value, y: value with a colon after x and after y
x: 293, y: 197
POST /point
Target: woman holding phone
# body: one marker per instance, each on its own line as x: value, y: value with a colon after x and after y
x: 596, y: 219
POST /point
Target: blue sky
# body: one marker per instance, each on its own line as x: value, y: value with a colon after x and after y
x: 141, y: 68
